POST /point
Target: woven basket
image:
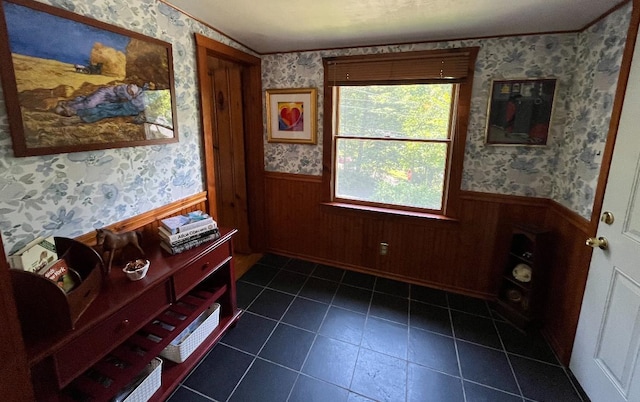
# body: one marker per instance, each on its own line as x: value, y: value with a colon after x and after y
x: 180, y: 353
x: 149, y: 385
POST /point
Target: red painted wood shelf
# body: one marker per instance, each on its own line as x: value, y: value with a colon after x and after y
x: 121, y: 331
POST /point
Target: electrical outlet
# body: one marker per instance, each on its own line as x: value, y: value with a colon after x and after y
x: 384, y: 248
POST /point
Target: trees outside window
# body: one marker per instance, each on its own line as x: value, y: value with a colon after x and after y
x: 392, y: 144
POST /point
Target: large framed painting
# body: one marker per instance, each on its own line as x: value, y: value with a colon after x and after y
x: 291, y: 115
x: 73, y: 84
x: 520, y: 111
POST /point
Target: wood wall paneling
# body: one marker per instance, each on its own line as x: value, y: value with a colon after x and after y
x: 14, y: 370
x: 465, y: 255
x: 570, y: 261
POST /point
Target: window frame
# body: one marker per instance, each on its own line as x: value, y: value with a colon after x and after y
x: 459, y: 122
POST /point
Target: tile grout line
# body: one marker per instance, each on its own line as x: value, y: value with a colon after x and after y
x: 270, y: 334
x: 504, y: 350
x: 256, y: 355
x: 280, y: 321
x: 571, y: 381
x: 455, y: 345
x: 243, y: 376
x: 367, y: 320
x: 222, y: 342
x: 316, y: 333
x: 502, y: 391
x: 195, y: 391
x: 570, y: 377
x: 298, y: 372
x: 366, y: 317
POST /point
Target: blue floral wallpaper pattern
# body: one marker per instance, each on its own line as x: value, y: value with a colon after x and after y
x: 590, y: 103
x: 71, y: 194
x: 586, y: 66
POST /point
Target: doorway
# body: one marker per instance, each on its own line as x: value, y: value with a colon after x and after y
x: 230, y: 187
x: 231, y: 106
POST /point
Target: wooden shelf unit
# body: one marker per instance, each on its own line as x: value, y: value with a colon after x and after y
x: 519, y: 301
x: 110, y: 345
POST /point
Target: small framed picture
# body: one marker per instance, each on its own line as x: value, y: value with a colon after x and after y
x: 520, y: 111
x: 291, y: 115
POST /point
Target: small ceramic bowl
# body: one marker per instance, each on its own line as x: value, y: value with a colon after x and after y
x: 136, y: 269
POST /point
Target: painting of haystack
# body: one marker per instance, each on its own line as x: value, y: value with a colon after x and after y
x: 85, y: 86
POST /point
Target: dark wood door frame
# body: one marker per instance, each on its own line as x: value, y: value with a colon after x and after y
x: 253, y: 130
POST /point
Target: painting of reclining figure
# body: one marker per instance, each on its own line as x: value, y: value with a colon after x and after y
x: 76, y: 84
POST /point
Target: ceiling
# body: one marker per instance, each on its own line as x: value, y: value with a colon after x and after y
x: 271, y: 26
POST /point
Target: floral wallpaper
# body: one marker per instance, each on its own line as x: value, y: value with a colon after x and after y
x: 586, y: 66
x: 590, y: 103
x: 71, y: 194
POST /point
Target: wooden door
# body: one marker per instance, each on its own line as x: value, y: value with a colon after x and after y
x: 229, y: 156
x: 212, y: 55
x: 607, y: 344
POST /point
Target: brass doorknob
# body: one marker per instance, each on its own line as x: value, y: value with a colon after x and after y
x: 599, y: 242
x: 607, y: 217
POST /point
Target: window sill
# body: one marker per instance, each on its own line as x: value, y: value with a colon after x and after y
x: 388, y: 211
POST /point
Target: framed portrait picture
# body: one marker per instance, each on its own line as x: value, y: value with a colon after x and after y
x: 520, y: 111
x: 73, y: 84
x: 291, y: 115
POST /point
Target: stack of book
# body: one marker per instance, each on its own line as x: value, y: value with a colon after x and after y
x: 184, y: 232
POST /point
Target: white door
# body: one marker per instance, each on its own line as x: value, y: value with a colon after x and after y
x: 605, y: 353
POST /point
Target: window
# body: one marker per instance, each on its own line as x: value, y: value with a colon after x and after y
x: 392, y: 143
x: 397, y: 125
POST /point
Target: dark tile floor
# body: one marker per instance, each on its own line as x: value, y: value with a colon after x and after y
x: 317, y: 333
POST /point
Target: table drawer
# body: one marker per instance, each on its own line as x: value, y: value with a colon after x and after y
x: 188, y: 277
x: 80, y: 354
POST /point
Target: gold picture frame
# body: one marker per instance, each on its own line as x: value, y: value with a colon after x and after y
x: 292, y: 115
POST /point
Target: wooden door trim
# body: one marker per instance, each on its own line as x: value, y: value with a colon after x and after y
x: 225, y: 52
x: 253, y: 130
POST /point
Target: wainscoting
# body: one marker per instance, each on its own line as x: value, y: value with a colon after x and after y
x: 464, y: 256
x: 149, y: 221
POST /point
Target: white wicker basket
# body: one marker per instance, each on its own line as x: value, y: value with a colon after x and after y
x: 179, y: 353
x: 148, y: 386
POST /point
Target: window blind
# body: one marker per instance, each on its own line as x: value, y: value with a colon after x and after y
x: 452, y: 65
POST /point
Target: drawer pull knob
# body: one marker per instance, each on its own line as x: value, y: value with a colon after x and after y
x: 124, y: 323
x: 205, y: 266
